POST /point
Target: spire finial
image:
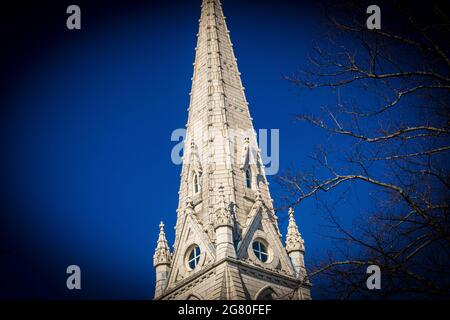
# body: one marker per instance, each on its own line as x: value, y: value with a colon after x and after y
x: 162, y: 235
x: 291, y: 213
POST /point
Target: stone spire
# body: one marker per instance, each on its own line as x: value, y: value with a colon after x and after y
x: 219, y: 125
x: 161, y: 262
x: 295, y: 246
x: 227, y: 242
x: 294, y: 240
x: 162, y: 252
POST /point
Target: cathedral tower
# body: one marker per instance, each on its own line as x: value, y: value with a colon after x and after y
x: 227, y: 241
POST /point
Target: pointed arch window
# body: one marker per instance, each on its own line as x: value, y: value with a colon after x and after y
x: 266, y: 294
x: 196, y: 184
x: 194, y: 257
x: 248, y: 178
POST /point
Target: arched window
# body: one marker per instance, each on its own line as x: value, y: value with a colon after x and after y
x: 266, y: 293
x: 248, y: 178
x: 194, y: 257
x: 196, y: 184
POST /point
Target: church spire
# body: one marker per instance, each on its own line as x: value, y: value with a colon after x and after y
x: 161, y: 261
x: 219, y: 125
x: 227, y: 238
x: 294, y: 240
x: 295, y: 246
x: 162, y: 252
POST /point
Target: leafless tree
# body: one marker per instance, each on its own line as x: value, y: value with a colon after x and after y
x: 391, y: 127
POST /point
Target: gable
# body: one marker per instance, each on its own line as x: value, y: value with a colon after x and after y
x: 260, y: 227
x: 191, y: 235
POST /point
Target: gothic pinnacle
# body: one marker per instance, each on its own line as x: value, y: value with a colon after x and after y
x: 294, y: 241
x: 162, y: 252
x: 222, y: 215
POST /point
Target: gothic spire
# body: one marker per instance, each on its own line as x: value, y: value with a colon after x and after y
x: 219, y: 125
x: 162, y: 252
x: 225, y: 215
x: 294, y: 240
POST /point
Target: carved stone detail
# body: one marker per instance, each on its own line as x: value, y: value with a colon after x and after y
x: 162, y: 253
x: 294, y: 240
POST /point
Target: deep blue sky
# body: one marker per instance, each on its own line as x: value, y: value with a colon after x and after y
x: 86, y: 122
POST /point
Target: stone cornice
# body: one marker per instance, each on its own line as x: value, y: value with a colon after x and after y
x: 191, y: 279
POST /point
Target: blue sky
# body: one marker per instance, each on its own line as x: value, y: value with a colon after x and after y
x: 87, y: 174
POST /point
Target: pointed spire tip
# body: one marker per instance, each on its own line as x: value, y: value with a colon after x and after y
x: 291, y: 212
